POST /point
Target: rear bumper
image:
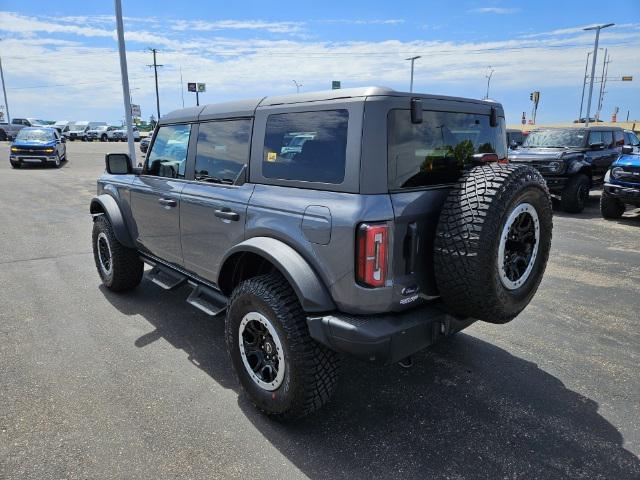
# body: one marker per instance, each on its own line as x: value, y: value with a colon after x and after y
x: 386, y: 338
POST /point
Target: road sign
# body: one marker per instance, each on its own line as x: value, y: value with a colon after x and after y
x: 135, y: 110
x: 627, y: 78
x: 524, y: 118
x: 335, y: 85
x: 192, y: 87
x: 202, y: 87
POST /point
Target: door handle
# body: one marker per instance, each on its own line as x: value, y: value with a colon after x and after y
x: 167, y: 202
x: 226, y: 213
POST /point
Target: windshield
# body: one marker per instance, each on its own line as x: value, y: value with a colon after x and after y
x: 100, y: 128
x: 35, y: 135
x: 556, y: 138
x: 77, y: 128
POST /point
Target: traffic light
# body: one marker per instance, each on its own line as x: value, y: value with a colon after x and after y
x: 531, y: 96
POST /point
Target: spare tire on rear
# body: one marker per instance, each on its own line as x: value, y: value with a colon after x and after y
x: 492, y: 242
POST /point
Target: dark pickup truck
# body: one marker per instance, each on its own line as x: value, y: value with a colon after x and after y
x: 571, y: 160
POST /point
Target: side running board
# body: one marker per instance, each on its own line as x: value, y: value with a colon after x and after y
x: 166, y: 278
x: 208, y: 300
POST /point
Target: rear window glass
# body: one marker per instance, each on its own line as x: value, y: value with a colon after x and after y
x: 306, y: 146
x: 437, y: 150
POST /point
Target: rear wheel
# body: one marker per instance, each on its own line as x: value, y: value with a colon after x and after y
x: 492, y: 242
x: 575, y: 194
x: 119, y: 267
x: 103, y: 138
x: 610, y: 207
x: 283, y: 371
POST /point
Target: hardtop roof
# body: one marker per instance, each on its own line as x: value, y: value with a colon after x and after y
x: 247, y: 108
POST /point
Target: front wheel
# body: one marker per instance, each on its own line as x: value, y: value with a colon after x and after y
x: 119, y: 267
x: 610, y: 207
x: 57, y: 162
x: 283, y: 371
x: 575, y: 194
x: 103, y: 138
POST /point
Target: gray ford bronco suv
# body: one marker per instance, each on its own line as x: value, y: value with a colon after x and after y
x: 395, y: 221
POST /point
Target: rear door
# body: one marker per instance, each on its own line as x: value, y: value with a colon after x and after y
x: 214, y: 204
x: 155, y: 194
x: 424, y: 161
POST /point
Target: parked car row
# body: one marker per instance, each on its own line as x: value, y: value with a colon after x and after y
x: 573, y: 160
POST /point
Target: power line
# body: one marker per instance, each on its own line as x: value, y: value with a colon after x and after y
x: 99, y: 82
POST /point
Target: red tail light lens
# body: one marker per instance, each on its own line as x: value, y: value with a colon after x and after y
x: 371, y: 254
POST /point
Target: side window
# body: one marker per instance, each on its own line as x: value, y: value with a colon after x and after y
x: 222, y: 150
x: 306, y: 146
x: 595, y: 137
x: 632, y: 139
x: 619, y: 137
x: 168, y: 157
x: 607, y: 139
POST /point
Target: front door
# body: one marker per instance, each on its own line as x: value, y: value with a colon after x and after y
x: 214, y: 205
x: 155, y: 194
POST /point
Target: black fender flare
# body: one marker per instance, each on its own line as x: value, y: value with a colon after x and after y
x: 309, y: 288
x: 578, y: 165
x: 107, y: 205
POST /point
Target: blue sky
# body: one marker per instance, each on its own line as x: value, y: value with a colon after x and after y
x: 60, y: 58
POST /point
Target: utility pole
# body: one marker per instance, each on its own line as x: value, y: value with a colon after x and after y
x: 155, y: 71
x: 413, y: 59
x: 125, y: 81
x: 605, y: 71
x: 298, y: 85
x: 181, y: 87
x: 4, y: 91
x: 597, y: 28
x: 489, y: 75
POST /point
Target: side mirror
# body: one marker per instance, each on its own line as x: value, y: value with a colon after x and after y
x: 596, y: 146
x: 627, y: 149
x: 118, y: 163
x: 416, y: 110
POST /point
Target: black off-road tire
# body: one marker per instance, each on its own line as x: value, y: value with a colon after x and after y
x: 103, y: 138
x: 3, y: 136
x: 127, y: 268
x: 575, y: 194
x: 468, y: 237
x: 311, y: 370
x: 610, y: 207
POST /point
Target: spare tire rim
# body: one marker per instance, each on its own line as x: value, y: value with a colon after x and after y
x: 261, y: 351
x: 518, y: 246
x: 104, y: 254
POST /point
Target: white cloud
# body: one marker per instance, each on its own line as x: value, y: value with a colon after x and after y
x: 271, y: 27
x: 496, y: 10
x: 87, y: 78
x: 388, y: 21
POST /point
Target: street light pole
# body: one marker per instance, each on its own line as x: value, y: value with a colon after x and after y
x: 4, y: 91
x: 125, y: 81
x: 584, y: 84
x: 491, y: 70
x: 593, y: 65
x: 298, y: 85
x: 413, y: 59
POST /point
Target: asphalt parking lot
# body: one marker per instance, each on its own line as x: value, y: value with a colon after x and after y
x: 100, y: 385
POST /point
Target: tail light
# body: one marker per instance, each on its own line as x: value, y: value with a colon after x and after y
x: 488, y: 158
x: 372, y: 242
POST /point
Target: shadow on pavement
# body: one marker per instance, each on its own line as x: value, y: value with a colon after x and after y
x: 467, y: 409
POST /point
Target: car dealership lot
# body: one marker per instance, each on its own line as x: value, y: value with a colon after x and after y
x: 100, y: 385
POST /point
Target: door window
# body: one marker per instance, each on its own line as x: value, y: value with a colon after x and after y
x: 619, y: 138
x: 607, y: 139
x: 595, y: 137
x: 222, y: 150
x: 168, y: 157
